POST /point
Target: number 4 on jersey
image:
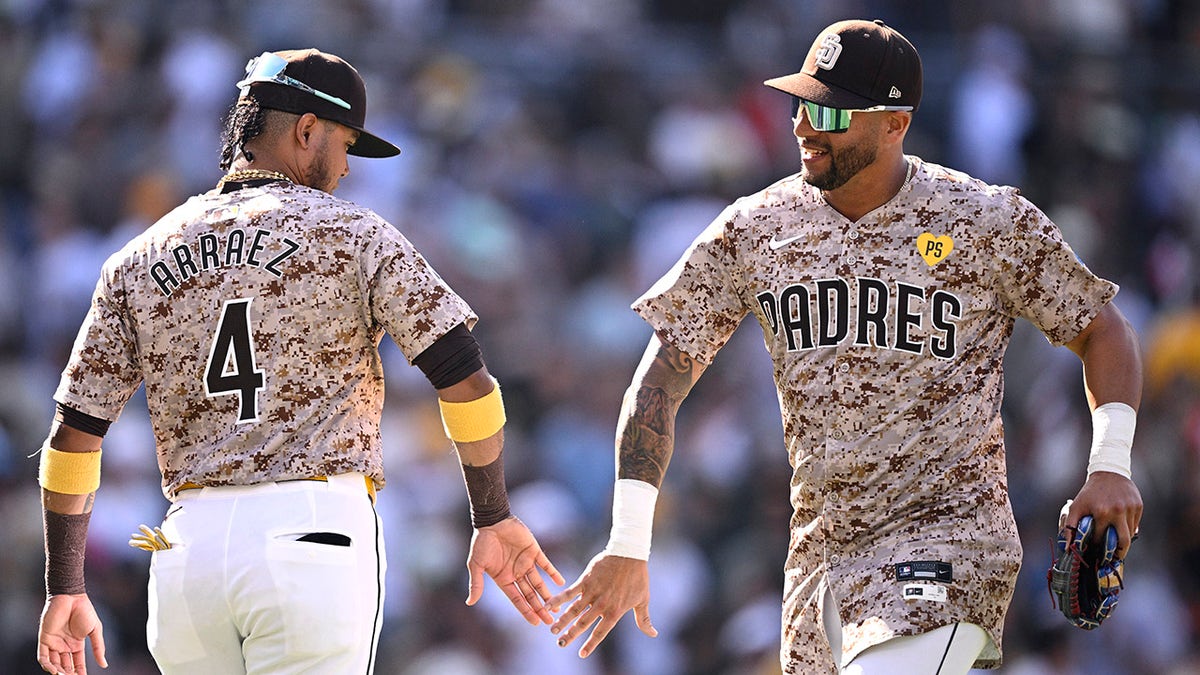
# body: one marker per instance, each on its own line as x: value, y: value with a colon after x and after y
x: 231, y: 366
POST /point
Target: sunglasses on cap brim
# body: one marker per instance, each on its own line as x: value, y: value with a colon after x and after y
x: 269, y: 67
x: 834, y: 120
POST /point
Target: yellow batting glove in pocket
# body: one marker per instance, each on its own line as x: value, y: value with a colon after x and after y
x: 149, y: 540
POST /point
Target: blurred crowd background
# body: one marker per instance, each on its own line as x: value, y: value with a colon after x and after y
x: 558, y: 155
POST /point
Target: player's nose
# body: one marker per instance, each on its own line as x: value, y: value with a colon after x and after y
x: 800, y: 125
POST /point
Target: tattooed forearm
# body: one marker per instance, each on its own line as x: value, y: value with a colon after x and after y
x: 69, y: 504
x: 647, y: 437
x: 646, y: 431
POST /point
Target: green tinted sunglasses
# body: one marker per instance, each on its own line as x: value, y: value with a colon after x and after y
x: 834, y: 120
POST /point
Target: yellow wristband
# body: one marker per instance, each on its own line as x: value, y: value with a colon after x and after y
x: 474, y: 420
x: 69, y: 473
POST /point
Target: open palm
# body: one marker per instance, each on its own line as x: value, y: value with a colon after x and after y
x: 67, y: 622
x: 509, y: 554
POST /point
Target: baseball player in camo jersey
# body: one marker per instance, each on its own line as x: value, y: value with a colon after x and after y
x: 253, y: 313
x: 886, y: 288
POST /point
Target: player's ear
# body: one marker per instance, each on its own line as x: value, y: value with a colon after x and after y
x: 305, y: 128
x: 898, y: 122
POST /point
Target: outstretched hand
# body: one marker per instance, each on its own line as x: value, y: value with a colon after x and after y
x: 509, y: 554
x: 67, y: 622
x: 609, y: 587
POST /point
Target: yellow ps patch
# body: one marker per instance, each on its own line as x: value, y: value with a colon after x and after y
x: 934, y: 249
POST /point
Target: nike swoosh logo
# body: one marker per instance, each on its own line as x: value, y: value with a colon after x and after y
x: 777, y: 244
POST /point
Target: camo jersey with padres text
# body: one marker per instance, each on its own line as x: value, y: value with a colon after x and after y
x: 254, y: 319
x: 887, y: 337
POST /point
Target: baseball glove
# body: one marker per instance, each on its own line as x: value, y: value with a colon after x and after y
x: 1085, y: 577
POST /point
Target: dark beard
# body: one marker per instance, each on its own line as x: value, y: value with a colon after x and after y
x: 317, y: 175
x: 844, y: 165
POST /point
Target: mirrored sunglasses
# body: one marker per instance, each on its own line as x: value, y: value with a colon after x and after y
x: 269, y: 67
x: 834, y: 120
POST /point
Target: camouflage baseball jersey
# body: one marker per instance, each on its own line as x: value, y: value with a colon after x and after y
x: 254, y: 320
x: 887, y: 337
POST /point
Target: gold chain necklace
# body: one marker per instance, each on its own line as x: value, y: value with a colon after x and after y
x: 243, y: 175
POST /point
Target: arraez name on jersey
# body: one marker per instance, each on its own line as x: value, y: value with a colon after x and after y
x: 210, y: 251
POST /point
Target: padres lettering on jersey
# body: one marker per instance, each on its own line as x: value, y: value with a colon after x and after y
x: 879, y: 322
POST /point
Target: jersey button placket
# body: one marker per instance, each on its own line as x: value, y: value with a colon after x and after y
x: 841, y: 368
x: 851, y: 250
x: 836, y: 455
x: 833, y: 515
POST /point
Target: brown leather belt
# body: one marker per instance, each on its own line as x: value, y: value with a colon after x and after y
x: 370, y: 484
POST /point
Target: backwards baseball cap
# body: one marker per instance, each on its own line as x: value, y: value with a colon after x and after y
x: 310, y: 81
x: 856, y: 65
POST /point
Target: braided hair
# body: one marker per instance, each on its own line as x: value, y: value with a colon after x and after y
x: 244, y: 121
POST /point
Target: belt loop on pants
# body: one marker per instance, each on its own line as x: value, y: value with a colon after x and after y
x: 369, y: 483
x: 350, y: 480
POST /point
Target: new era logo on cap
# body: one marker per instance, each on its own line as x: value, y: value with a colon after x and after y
x: 856, y: 64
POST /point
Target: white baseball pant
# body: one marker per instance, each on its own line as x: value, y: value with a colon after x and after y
x: 245, y: 589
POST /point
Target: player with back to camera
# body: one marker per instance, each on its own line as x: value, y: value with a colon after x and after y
x: 253, y: 314
x: 886, y: 288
